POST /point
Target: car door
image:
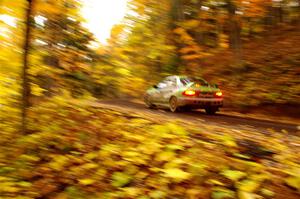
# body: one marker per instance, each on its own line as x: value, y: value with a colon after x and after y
x: 156, y: 93
x: 166, y: 92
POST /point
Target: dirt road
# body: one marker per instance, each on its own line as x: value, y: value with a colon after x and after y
x: 198, y: 116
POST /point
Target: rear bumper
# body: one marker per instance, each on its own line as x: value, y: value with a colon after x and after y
x: 200, y: 102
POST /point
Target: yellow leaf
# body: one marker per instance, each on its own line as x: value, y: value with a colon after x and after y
x: 165, y: 156
x: 36, y: 90
x: 177, y: 174
x: 86, y: 181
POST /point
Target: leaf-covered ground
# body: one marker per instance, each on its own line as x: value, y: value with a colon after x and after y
x: 84, y: 152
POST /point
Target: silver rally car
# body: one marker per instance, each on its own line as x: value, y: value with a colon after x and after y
x: 183, y: 92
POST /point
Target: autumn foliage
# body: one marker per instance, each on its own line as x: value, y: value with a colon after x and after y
x: 72, y: 148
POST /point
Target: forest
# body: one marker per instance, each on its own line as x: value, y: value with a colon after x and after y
x: 57, y: 142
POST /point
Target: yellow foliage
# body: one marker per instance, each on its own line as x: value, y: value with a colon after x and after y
x: 86, y: 181
x: 177, y: 174
x: 36, y: 90
x: 190, y: 49
x: 191, y: 24
x: 179, y: 31
x: 192, y: 57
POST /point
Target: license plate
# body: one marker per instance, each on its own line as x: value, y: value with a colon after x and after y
x: 207, y: 96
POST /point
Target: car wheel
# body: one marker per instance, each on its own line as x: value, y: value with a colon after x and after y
x: 148, y: 102
x: 173, y: 104
x: 211, y: 110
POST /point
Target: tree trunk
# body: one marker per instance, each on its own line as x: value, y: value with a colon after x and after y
x: 25, y: 83
x: 177, y: 10
x: 199, y: 33
x: 278, y: 13
x: 250, y: 31
x: 234, y: 32
x: 299, y: 12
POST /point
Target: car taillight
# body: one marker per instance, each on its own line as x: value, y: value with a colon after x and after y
x: 219, y: 94
x: 189, y: 93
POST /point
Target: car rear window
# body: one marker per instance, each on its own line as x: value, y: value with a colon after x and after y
x: 187, y: 80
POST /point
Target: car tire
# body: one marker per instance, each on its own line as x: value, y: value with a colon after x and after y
x: 173, y: 104
x: 148, y: 102
x: 211, y: 110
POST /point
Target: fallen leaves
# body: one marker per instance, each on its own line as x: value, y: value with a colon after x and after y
x: 120, y: 179
x: 234, y: 175
x: 86, y: 181
x: 248, y: 185
x: 293, y: 181
x: 176, y: 174
x: 141, y: 159
x: 222, y: 193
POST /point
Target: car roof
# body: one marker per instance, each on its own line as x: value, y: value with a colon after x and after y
x: 177, y: 76
x: 184, y: 76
